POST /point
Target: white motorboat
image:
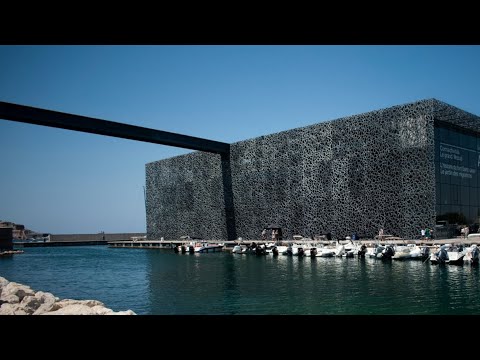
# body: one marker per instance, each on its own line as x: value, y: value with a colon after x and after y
x: 351, y: 249
x: 410, y: 251
x: 375, y: 251
x: 239, y: 249
x: 325, y: 251
x: 473, y: 255
x: 340, y: 249
x: 206, y: 247
x: 449, y: 254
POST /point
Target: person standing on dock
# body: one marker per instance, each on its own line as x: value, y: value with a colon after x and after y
x: 427, y: 233
x: 274, y: 235
x: 264, y: 234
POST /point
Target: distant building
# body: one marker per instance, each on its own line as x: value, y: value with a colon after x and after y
x: 399, y: 169
x: 18, y: 230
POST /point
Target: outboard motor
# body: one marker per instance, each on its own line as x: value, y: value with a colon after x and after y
x: 425, y: 252
x: 362, y: 251
x: 313, y: 252
x: 442, y: 255
x: 175, y: 249
x: 388, y: 253
x: 475, y: 256
x: 379, y: 251
x: 191, y: 249
x: 183, y: 249
x: 301, y: 252
x: 275, y: 251
x: 259, y: 250
x: 289, y: 251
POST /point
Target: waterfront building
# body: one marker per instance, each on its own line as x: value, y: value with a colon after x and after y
x: 18, y: 230
x: 400, y: 169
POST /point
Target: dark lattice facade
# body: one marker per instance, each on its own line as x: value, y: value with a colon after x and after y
x: 355, y: 174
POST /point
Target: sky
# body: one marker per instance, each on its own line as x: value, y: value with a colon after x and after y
x: 64, y: 182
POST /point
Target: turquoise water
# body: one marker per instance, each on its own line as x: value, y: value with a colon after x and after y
x: 162, y: 282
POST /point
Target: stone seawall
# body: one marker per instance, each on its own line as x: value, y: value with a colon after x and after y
x: 18, y: 299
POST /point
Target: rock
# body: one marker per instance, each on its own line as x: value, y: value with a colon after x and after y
x: 12, y: 309
x: 47, y: 301
x: 9, y: 298
x: 90, y: 303
x: 6, y: 309
x: 3, y: 282
x: 45, y: 297
x: 18, y: 299
x: 73, y: 309
x: 102, y: 310
x: 30, y: 304
x: 19, y: 290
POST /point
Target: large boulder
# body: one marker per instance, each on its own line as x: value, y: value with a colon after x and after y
x: 47, y: 302
x: 30, y: 304
x: 13, y: 288
x: 12, y: 309
x: 3, y: 282
x: 9, y: 298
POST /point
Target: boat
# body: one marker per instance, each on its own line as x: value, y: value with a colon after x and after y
x: 376, y: 251
x: 383, y: 252
x: 239, y: 249
x: 449, y: 254
x: 351, y: 249
x: 340, y: 249
x: 410, y: 251
x: 298, y: 250
x: 325, y: 251
x: 205, y: 247
x: 473, y: 255
x: 279, y: 249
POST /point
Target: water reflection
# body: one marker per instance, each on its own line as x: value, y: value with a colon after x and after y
x: 247, y: 284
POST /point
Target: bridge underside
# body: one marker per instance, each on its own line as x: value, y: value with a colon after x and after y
x: 37, y: 116
x: 56, y: 119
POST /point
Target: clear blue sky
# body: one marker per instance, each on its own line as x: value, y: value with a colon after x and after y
x: 62, y: 181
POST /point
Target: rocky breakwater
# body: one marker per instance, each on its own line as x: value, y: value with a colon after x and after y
x: 18, y: 299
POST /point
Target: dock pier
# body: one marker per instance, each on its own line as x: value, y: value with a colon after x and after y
x: 229, y: 244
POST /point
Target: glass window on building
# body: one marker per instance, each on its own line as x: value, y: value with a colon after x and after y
x: 473, y: 196
x: 445, y: 195
x: 472, y: 218
x: 472, y: 142
x: 444, y: 135
x: 465, y: 193
x: 457, y: 155
x: 455, y: 195
x: 438, y: 192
